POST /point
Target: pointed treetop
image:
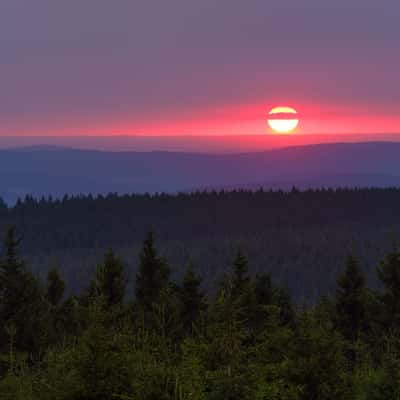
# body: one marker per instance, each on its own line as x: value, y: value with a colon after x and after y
x: 240, y: 274
x: 11, y: 245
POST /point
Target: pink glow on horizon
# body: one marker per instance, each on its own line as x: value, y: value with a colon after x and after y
x: 246, y: 119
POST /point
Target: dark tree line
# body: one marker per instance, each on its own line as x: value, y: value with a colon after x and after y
x: 101, y: 221
x: 301, y: 237
x: 172, y: 341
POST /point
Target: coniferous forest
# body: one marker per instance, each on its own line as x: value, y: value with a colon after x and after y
x: 301, y: 237
x: 156, y: 337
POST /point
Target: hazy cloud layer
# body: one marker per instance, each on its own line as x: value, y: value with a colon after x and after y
x: 143, y: 60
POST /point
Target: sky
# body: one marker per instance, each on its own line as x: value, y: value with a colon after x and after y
x: 189, y: 67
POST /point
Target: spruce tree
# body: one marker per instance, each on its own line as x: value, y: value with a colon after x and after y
x: 21, y: 300
x: 315, y: 361
x: 283, y: 300
x: 55, y: 287
x: 350, y: 300
x: 240, y: 279
x: 272, y: 300
x: 110, y: 282
x: 192, y: 299
x: 100, y: 362
x: 152, y: 277
x: 389, y: 275
x: 264, y: 289
x: 242, y: 294
x: 223, y: 348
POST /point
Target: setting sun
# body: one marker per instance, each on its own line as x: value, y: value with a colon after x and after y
x: 283, y: 119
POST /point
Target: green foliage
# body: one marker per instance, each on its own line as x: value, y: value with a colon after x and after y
x: 192, y: 300
x: 110, y: 281
x: 389, y: 274
x: 152, y: 277
x: 240, y: 279
x: 351, y: 301
x: 318, y: 362
x: 248, y: 342
x: 55, y: 287
x: 22, y: 305
x: 382, y: 381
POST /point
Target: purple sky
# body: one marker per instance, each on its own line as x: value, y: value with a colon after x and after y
x: 108, y: 67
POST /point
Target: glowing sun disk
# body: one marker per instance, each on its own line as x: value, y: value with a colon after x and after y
x: 286, y: 123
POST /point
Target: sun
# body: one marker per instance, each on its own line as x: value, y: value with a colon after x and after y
x: 283, y: 119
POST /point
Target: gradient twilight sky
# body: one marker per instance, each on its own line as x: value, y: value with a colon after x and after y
x: 155, y: 67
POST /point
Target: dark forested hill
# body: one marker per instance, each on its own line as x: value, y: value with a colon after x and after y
x: 56, y: 171
x: 302, y: 237
x: 113, y: 220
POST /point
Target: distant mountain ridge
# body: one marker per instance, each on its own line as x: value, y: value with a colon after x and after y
x: 52, y: 170
x: 206, y: 144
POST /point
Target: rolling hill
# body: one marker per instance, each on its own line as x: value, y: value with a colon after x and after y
x: 43, y: 171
